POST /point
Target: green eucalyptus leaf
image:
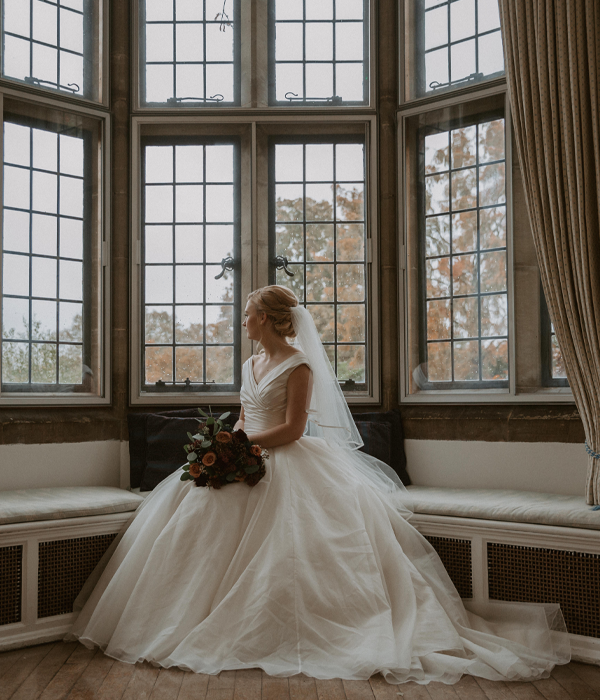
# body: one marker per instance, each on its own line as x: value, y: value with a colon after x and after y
x: 230, y: 476
x: 192, y: 457
x: 206, y: 443
x: 210, y: 421
x: 197, y: 436
x: 201, y: 412
x: 251, y: 469
x: 225, y: 415
x: 186, y: 477
x: 186, y: 467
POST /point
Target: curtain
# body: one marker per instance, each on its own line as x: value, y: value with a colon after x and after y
x: 552, y: 52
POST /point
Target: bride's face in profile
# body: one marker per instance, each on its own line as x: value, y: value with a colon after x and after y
x: 252, y: 322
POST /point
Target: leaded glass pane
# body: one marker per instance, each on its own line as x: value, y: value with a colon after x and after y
x: 191, y: 276
x: 465, y: 330
x: 319, y: 186
x: 50, y: 44
x: 456, y: 42
x: 319, y: 52
x: 190, y: 52
x: 46, y: 317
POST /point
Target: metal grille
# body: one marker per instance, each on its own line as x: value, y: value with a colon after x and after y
x: 45, y: 250
x: 47, y: 43
x: 536, y: 575
x: 319, y: 52
x: 463, y: 243
x: 318, y: 240
x: 190, y: 52
x: 64, y: 566
x: 11, y: 580
x: 460, y: 42
x: 191, y: 245
x: 456, y: 557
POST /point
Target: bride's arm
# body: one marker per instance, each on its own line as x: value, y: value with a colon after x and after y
x: 295, y: 414
x: 240, y: 421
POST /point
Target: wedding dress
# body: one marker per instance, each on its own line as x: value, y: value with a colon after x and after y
x: 314, y: 570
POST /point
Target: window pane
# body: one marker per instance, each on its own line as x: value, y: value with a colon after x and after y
x: 189, y: 56
x: 322, y: 245
x: 47, y: 46
x: 320, y: 52
x: 191, y: 326
x: 464, y: 255
x: 44, y: 260
x: 453, y: 43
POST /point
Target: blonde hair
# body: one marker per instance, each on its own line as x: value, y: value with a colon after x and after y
x: 276, y: 302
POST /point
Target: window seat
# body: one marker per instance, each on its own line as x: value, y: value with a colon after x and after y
x: 505, y: 505
x: 32, y: 505
x: 519, y: 546
x: 50, y: 541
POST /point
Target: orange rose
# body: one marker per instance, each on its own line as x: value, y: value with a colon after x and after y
x: 195, y: 470
x: 223, y: 436
x: 209, y: 459
x: 256, y: 450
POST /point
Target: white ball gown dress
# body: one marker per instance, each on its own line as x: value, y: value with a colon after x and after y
x: 314, y: 570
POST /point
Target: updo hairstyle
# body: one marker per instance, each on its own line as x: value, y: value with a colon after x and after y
x: 276, y: 302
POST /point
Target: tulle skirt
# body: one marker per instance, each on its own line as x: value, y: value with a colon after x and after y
x: 314, y: 570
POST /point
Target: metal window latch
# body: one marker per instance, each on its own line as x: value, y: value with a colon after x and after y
x: 281, y: 263
x: 226, y: 264
x: 213, y: 98
x: 349, y: 385
x: 435, y: 85
x: 293, y: 97
x: 71, y: 87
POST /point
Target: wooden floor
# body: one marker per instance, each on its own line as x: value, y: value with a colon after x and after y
x: 59, y: 671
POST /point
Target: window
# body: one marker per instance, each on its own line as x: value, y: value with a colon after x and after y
x: 465, y: 320
x: 226, y: 88
x: 53, y: 282
x: 191, y: 289
x: 319, y: 52
x: 318, y: 242
x: 554, y: 372
x: 455, y: 43
x: 474, y: 324
x: 190, y: 52
x: 54, y: 44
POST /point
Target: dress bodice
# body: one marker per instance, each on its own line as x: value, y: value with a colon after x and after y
x: 265, y: 401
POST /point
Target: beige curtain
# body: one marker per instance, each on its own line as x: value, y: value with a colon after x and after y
x: 552, y: 55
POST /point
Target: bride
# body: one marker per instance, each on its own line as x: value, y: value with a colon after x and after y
x: 314, y: 570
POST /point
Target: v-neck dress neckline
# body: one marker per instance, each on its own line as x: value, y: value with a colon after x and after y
x: 258, y: 383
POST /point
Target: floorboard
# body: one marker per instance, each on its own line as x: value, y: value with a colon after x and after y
x: 70, y: 671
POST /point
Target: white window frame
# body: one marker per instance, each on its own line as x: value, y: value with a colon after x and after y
x: 103, y: 395
x: 103, y: 58
x: 512, y: 394
x: 254, y: 244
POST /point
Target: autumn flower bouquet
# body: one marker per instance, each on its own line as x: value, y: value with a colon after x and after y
x: 218, y: 455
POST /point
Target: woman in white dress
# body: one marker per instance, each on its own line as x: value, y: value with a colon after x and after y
x: 314, y: 570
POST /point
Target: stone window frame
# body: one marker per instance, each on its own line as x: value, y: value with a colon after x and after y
x: 100, y: 66
x: 527, y: 370
x: 101, y: 334
x: 254, y: 132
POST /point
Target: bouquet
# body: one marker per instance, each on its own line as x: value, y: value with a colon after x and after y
x: 217, y: 455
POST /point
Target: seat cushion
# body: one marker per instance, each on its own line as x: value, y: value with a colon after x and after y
x: 30, y: 505
x: 512, y: 506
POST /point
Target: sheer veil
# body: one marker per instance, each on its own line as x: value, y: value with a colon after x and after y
x: 329, y: 417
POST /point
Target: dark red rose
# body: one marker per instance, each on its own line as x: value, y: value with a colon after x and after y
x: 239, y: 435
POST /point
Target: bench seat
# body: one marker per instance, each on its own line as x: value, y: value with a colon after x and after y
x: 504, y: 505
x: 32, y: 505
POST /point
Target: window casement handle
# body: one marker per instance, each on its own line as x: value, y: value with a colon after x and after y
x: 281, y: 263
x: 226, y: 264
x: 71, y: 87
